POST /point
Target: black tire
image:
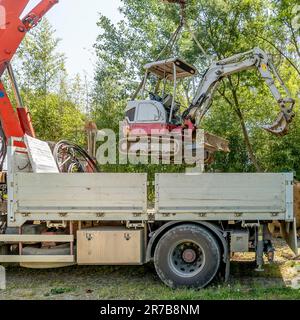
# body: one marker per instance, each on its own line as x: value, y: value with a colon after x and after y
x: 187, y: 256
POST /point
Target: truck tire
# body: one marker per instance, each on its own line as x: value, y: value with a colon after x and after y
x: 187, y: 256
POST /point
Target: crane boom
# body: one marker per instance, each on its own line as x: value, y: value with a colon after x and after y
x: 14, y: 29
x: 12, y: 32
x: 235, y: 64
x: 37, y: 13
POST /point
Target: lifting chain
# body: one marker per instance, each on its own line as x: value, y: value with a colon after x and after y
x: 182, y: 25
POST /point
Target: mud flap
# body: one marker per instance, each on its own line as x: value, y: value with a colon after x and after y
x: 289, y: 233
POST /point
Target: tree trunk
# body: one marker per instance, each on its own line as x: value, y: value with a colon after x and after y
x: 247, y: 141
x: 244, y: 129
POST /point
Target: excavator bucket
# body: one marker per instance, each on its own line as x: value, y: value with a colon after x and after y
x: 215, y: 143
x: 279, y: 127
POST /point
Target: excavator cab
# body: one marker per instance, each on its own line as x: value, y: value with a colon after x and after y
x: 156, y: 115
x: 161, y: 106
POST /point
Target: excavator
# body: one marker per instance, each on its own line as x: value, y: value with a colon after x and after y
x: 158, y: 112
x: 159, y: 118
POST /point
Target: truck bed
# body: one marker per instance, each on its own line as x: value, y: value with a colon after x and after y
x: 78, y: 196
x: 123, y: 197
x: 224, y: 196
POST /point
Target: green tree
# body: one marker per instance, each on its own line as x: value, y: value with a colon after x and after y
x: 46, y: 88
x: 41, y: 64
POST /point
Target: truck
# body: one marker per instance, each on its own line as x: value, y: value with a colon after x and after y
x: 50, y: 218
x: 196, y: 222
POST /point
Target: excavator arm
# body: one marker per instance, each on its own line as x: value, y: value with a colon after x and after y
x: 255, y: 58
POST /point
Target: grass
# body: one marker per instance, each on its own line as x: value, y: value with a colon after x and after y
x: 141, y: 282
x: 55, y: 291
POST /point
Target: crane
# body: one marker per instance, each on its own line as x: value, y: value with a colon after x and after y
x: 16, y: 124
x: 13, y: 31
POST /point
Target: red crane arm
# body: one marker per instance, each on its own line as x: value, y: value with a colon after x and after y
x: 36, y: 14
x: 12, y: 31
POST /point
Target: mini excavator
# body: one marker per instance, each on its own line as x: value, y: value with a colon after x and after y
x: 159, y: 115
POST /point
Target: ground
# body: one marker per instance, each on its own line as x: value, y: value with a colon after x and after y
x: 141, y: 282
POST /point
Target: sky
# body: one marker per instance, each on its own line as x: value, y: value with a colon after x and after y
x: 75, y: 24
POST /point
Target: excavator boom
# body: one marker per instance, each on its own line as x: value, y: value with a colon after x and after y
x: 255, y: 58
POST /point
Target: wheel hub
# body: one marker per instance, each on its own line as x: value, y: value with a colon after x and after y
x: 189, y: 255
x: 186, y: 258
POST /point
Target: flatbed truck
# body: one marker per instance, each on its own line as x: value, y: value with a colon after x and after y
x: 190, y: 233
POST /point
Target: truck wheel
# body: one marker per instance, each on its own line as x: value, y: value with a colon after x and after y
x: 187, y: 256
